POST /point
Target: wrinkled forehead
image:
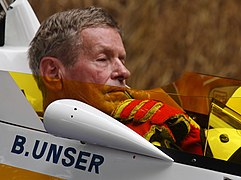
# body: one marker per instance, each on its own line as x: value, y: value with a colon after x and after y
x: 102, y: 37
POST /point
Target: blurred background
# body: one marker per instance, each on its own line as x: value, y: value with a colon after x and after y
x: 164, y: 38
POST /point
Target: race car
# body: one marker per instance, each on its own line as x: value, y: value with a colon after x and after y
x: 77, y: 141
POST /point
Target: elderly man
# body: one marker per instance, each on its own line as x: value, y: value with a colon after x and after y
x: 79, y: 54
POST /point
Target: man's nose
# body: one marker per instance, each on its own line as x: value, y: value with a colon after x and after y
x: 120, y: 70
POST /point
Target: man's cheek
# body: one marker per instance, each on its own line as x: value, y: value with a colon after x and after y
x: 102, y: 77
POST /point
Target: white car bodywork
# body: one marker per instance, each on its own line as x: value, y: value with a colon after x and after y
x: 110, y: 153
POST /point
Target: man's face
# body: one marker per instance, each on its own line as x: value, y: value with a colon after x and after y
x: 102, y: 59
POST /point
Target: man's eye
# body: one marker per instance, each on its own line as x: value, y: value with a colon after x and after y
x: 122, y: 59
x: 102, y: 59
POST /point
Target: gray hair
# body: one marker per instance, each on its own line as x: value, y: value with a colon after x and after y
x: 59, y: 36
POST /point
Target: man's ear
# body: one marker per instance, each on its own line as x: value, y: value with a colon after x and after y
x: 51, y: 70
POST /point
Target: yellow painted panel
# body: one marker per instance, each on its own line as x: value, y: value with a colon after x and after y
x: 9, y: 172
x: 28, y: 85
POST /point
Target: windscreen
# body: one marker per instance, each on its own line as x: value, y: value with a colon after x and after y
x: 212, y: 103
